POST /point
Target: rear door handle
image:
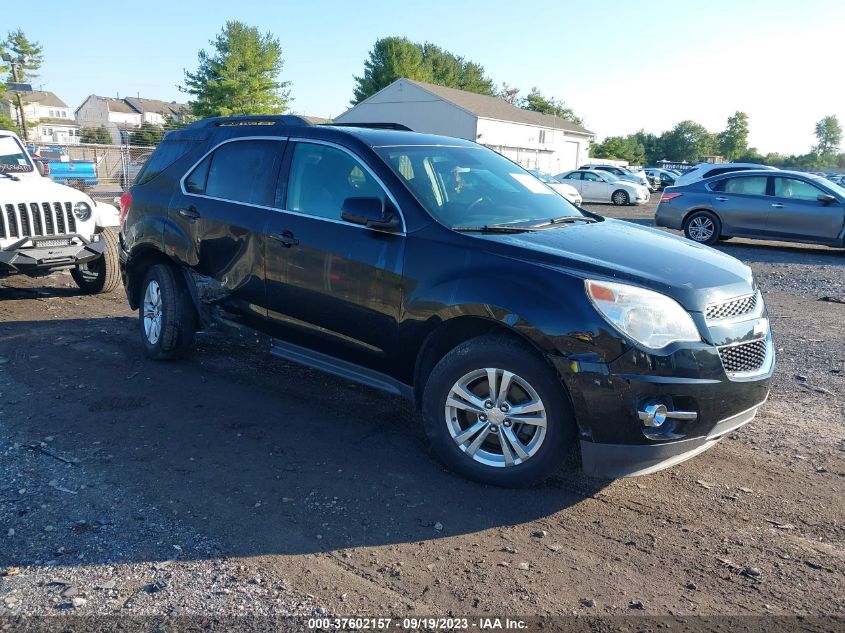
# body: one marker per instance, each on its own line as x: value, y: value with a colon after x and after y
x: 286, y: 238
x: 191, y: 214
x: 721, y: 199
x: 777, y: 205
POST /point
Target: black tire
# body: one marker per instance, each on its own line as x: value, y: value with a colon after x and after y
x: 620, y: 198
x: 697, y: 225
x: 178, y: 317
x: 102, y: 275
x: 504, y: 353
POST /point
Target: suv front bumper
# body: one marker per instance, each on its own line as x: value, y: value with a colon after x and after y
x: 36, y: 255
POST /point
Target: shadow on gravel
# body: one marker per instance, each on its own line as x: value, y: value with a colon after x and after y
x: 260, y: 456
x: 782, y: 253
x: 46, y: 292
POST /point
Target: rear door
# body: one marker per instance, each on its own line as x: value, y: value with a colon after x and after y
x: 742, y: 204
x: 333, y: 286
x: 797, y: 214
x: 227, y: 201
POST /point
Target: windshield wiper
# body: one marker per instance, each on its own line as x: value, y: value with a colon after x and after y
x: 493, y: 228
x: 568, y: 219
x: 8, y: 175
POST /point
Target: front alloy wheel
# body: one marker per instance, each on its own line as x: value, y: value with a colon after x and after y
x: 496, y: 417
x: 495, y: 411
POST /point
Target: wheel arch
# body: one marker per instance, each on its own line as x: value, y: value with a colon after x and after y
x: 137, y: 265
x: 697, y: 210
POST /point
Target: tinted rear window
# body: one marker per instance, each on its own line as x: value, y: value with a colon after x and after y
x: 167, y: 153
x: 245, y: 171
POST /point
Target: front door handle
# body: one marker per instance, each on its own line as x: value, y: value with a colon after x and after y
x: 777, y: 205
x: 286, y: 238
x: 721, y: 199
x: 190, y: 214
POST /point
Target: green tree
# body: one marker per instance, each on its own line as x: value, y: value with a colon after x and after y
x: 393, y: 58
x: 99, y: 135
x: 509, y: 93
x: 626, y: 148
x: 536, y: 102
x: 733, y: 141
x: 688, y: 141
x: 240, y: 75
x: 7, y: 123
x: 25, y: 57
x: 148, y: 135
x: 829, y: 136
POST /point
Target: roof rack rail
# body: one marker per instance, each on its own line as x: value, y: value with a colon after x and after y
x: 253, y: 119
x: 375, y: 126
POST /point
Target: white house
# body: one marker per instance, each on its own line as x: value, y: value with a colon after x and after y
x: 114, y: 114
x: 48, y: 118
x: 534, y: 140
x: 122, y: 115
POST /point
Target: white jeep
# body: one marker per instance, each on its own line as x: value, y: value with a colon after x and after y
x: 45, y: 227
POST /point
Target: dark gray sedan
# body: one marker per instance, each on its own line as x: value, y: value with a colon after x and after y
x: 772, y: 205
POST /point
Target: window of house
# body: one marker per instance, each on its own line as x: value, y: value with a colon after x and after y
x: 322, y: 177
x: 542, y: 138
x: 243, y: 171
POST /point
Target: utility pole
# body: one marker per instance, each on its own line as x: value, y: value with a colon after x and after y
x: 20, y: 105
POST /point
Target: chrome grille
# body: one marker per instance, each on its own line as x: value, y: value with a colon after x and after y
x: 36, y: 219
x: 744, y: 357
x: 731, y: 309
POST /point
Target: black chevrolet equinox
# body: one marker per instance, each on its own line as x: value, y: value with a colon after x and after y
x: 436, y: 269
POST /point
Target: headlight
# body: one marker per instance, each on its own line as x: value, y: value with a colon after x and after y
x: 650, y: 318
x: 82, y: 210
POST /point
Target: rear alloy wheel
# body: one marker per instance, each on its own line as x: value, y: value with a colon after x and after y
x: 620, y: 198
x: 166, y: 316
x: 495, y: 412
x: 103, y: 274
x: 702, y: 227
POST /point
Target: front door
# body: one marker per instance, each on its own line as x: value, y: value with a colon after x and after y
x: 797, y: 214
x: 332, y: 285
x: 594, y: 188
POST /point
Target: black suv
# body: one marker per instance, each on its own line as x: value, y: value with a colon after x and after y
x: 434, y: 268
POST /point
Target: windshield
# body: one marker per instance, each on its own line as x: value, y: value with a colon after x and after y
x: 13, y: 158
x: 474, y: 186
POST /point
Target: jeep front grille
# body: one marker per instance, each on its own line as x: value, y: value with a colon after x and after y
x: 36, y: 219
x: 730, y: 309
x: 744, y: 357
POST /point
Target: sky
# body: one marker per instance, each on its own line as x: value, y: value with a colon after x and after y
x: 621, y: 65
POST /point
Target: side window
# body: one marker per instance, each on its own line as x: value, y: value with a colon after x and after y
x: 747, y: 185
x: 196, y: 181
x: 575, y: 175
x: 588, y: 175
x: 243, y: 171
x: 322, y: 177
x: 797, y: 189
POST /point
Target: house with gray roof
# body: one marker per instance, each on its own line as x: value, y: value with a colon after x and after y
x: 534, y: 140
x: 48, y: 118
x: 121, y: 116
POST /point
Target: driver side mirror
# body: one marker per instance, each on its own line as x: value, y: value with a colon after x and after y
x: 41, y: 168
x: 826, y: 198
x: 370, y: 212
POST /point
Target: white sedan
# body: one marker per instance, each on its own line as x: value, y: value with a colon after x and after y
x: 567, y: 191
x: 601, y: 186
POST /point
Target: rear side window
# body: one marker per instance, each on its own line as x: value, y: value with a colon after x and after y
x: 748, y: 185
x: 240, y: 171
x: 167, y: 153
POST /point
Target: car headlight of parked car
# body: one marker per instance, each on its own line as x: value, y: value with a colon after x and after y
x: 82, y: 210
x: 650, y: 318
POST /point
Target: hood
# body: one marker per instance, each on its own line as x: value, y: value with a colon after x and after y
x: 692, y: 274
x: 35, y: 188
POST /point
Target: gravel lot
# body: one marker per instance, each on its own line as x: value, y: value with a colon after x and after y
x: 232, y: 483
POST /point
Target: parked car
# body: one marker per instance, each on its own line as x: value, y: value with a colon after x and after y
x: 622, y: 173
x: 661, y: 177
x: 602, y: 186
x: 780, y: 205
x: 567, y: 191
x: 434, y: 268
x: 46, y: 227
x: 133, y: 168
x: 55, y: 164
x: 709, y: 170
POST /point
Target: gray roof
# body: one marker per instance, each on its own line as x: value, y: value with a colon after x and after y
x: 495, y: 108
x: 168, y: 108
x: 44, y: 97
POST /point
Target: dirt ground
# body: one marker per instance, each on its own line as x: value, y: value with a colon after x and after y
x: 233, y: 482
